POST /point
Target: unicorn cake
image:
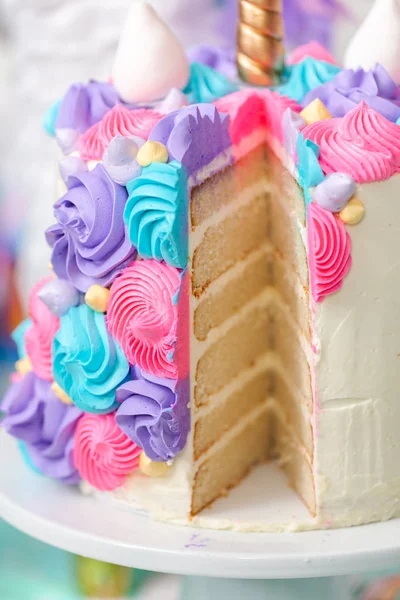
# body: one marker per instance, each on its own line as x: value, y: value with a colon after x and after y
x: 224, y: 283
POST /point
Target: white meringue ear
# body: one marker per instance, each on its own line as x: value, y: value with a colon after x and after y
x: 377, y: 40
x: 150, y: 61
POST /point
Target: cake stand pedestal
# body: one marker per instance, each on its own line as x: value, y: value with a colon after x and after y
x: 216, y: 564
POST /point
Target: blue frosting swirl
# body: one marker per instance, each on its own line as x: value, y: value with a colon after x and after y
x: 88, y: 364
x: 206, y: 84
x: 18, y: 336
x: 156, y: 213
x: 305, y: 76
x: 310, y: 172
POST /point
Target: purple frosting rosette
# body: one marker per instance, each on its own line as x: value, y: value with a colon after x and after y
x: 85, y: 104
x: 222, y: 59
x: 345, y: 91
x: 90, y: 242
x: 154, y: 414
x: 35, y: 416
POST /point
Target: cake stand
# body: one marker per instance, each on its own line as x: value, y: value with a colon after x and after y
x: 216, y: 564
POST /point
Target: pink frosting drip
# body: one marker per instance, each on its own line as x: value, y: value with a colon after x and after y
x: 275, y: 106
x: 142, y: 316
x: 103, y: 454
x: 251, y: 110
x: 313, y: 50
x: 246, y: 113
x: 182, y: 353
x: 329, y: 252
x: 363, y: 144
x: 117, y: 121
x: 39, y: 336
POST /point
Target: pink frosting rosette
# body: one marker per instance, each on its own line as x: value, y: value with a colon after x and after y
x: 39, y: 337
x: 329, y: 249
x: 363, y: 144
x: 142, y: 315
x: 103, y: 454
x: 118, y: 121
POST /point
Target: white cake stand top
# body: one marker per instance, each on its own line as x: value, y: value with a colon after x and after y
x: 64, y: 518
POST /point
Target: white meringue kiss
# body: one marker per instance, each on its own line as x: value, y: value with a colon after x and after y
x: 377, y: 40
x: 149, y: 59
x: 119, y: 159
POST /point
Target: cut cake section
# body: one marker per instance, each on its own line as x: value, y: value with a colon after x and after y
x: 250, y: 336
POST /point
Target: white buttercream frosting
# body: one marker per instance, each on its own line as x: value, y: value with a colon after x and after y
x: 146, y: 43
x: 357, y: 371
x: 377, y: 40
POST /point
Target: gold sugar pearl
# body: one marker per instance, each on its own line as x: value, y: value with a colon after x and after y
x: 353, y: 212
x: 59, y: 392
x: 97, y: 297
x: 152, y: 468
x: 152, y: 152
x: 23, y: 366
x: 315, y: 111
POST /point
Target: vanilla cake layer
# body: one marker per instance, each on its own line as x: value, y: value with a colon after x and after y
x: 221, y: 190
x: 293, y: 460
x: 226, y: 467
x: 224, y: 410
x: 226, y: 243
x: 234, y: 289
x: 227, y: 356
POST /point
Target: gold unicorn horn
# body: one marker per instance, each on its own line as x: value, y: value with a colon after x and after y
x: 260, y: 49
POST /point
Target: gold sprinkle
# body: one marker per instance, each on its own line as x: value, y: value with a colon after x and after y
x: 97, y: 297
x: 152, y: 152
x: 152, y: 468
x: 315, y: 111
x: 353, y: 212
x: 61, y: 395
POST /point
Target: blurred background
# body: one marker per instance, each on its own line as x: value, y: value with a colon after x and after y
x: 45, y: 45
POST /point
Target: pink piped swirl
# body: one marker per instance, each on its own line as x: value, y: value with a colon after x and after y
x: 142, y: 315
x: 329, y: 252
x: 117, y: 121
x: 103, y: 454
x: 313, y: 50
x: 363, y: 144
x: 39, y: 336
